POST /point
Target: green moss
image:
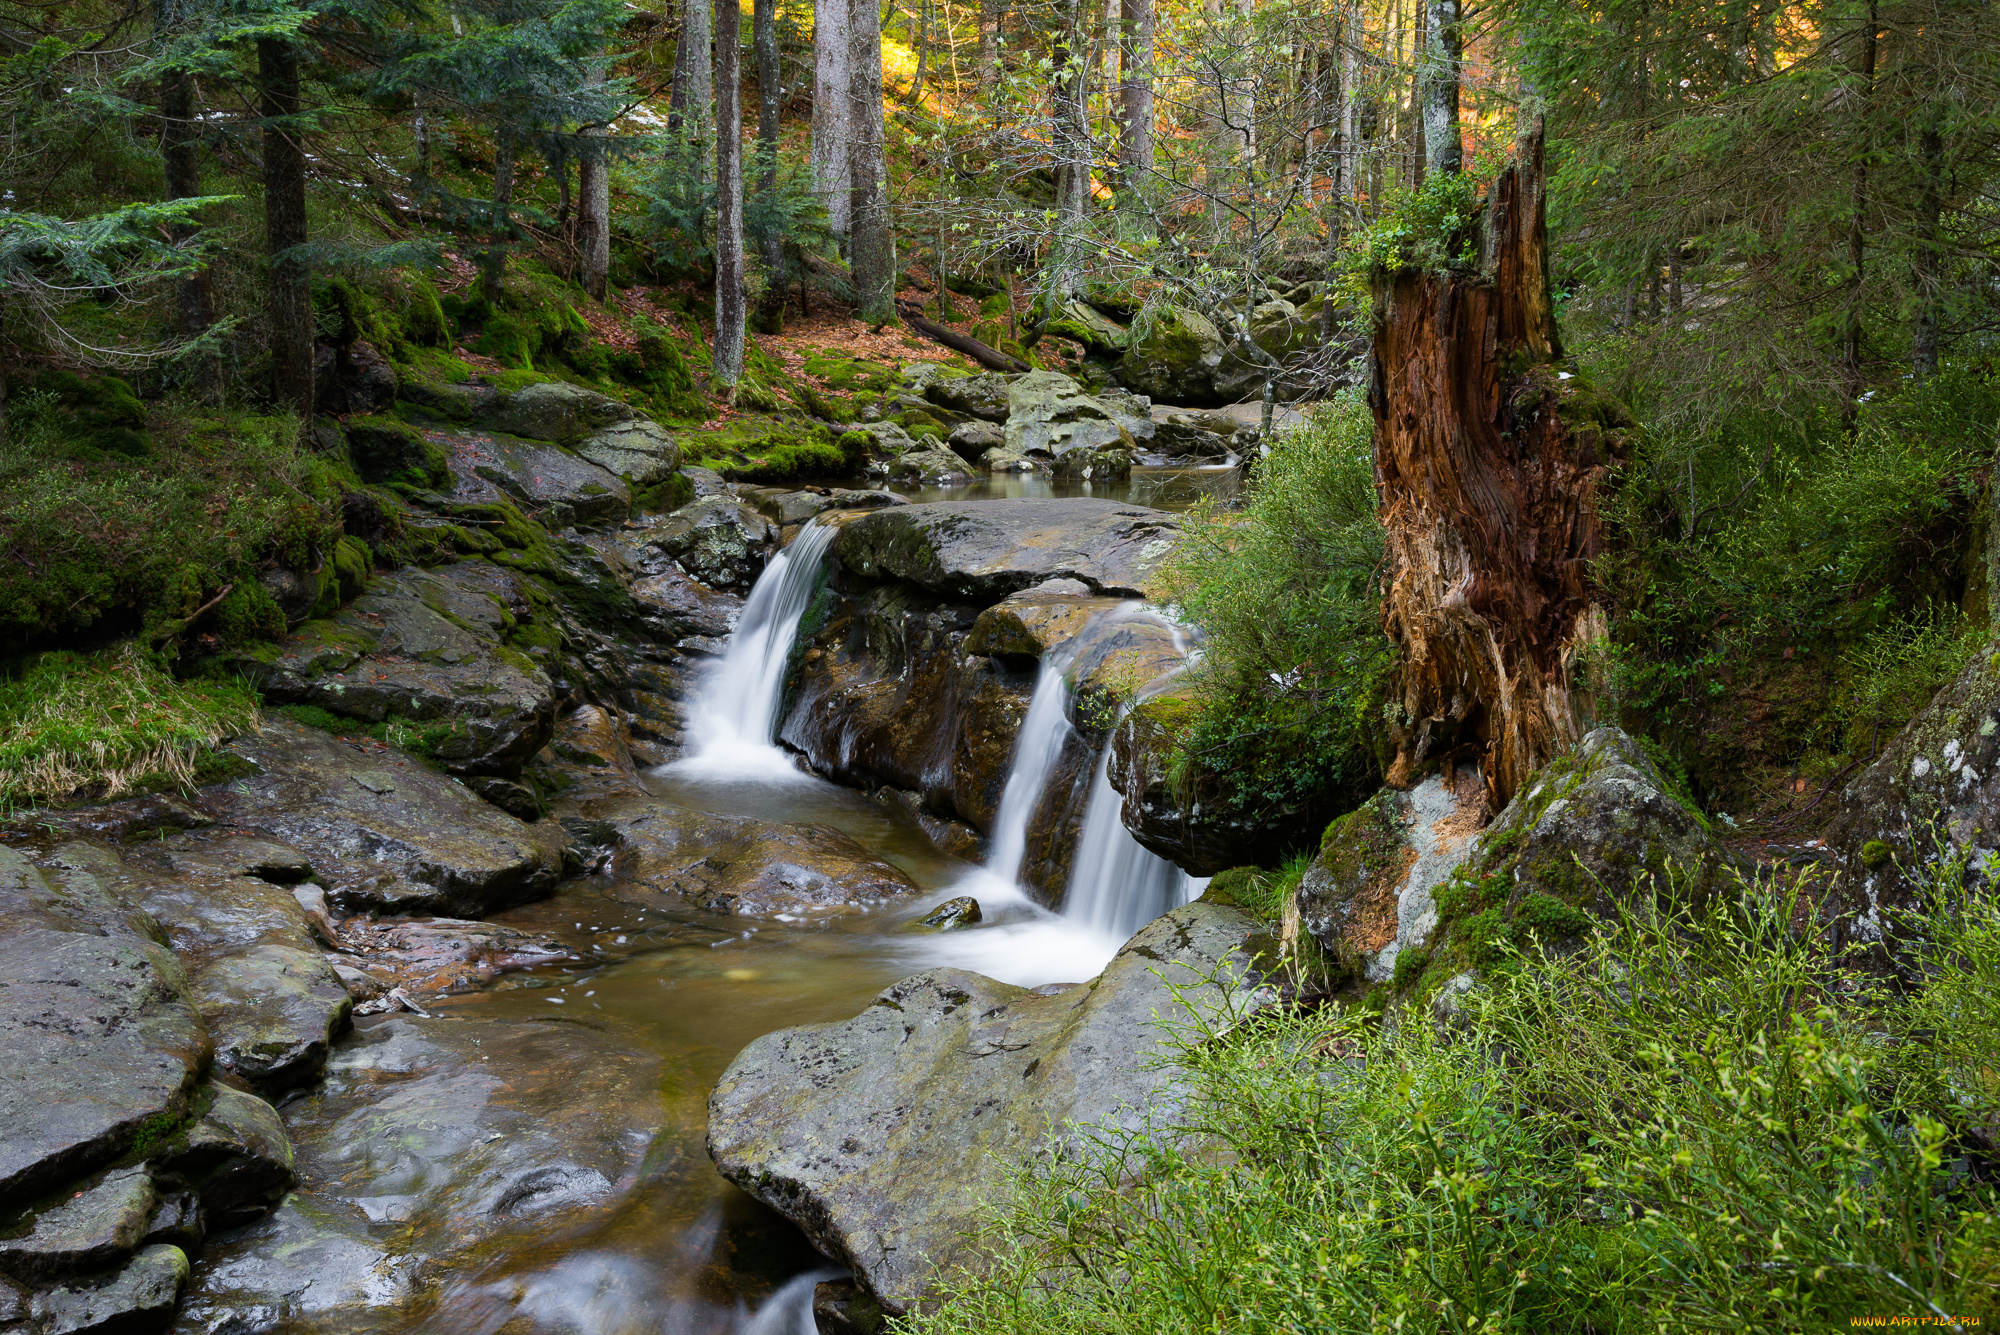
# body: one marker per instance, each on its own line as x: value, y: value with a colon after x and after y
x: 393, y: 453
x: 423, y: 318
x: 1549, y: 919
x: 1876, y: 855
x: 514, y: 381
x: 855, y: 445
x: 1410, y: 965
x: 671, y: 494
x: 509, y: 340
x: 664, y: 374
x: 248, y: 613
x: 96, y: 415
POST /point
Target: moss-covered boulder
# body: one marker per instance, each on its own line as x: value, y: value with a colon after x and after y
x: 1930, y: 803
x: 984, y: 396
x: 642, y: 452
x: 395, y: 453
x: 1049, y: 416
x: 1173, y: 356
x: 93, y: 414
x: 1410, y: 884
x: 554, y: 410
x: 1106, y: 463
x: 1090, y: 327
x: 718, y: 540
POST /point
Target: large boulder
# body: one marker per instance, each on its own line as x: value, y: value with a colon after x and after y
x: 885, y: 1137
x: 1932, y: 797
x: 427, y: 647
x: 984, y: 550
x: 1283, y: 334
x: 1173, y: 356
x: 381, y: 829
x: 1410, y: 881
x: 551, y: 485
x: 984, y: 396
x: 554, y: 411
x: 719, y: 540
x: 1049, y: 416
x: 932, y: 466
x: 640, y: 451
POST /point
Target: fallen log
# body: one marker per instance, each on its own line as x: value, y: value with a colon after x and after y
x: 991, y: 358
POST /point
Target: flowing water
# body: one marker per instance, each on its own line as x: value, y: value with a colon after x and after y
x: 1162, y: 488
x: 679, y: 1251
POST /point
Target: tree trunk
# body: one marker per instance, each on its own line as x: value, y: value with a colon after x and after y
x: 920, y: 39
x: 727, y: 361
x: 832, y: 95
x: 493, y: 263
x: 194, y: 303
x: 1444, y: 69
x: 1135, y: 107
x: 871, y: 241
x: 1489, y: 499
x: 770, y: 93
x: 593, y: 189
x: 694, y: 71
x: 1069, y: 94
x: 989, y: 49
x: 1850, y: 357
x: 289, y: 304
x: 1924, y: 258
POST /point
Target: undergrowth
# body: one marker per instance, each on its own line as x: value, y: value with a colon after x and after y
x: 1696, y: 1123
x: 97, y: 725
x: 1289, y: 688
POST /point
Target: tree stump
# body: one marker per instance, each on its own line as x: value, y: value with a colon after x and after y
x: 1490, y: 462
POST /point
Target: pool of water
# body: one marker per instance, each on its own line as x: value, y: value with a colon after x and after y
x: 1158, y: 487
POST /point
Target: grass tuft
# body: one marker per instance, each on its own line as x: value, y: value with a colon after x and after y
x: 98, y: 724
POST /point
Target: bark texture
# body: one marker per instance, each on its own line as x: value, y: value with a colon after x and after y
x: 180, y: 153
x: 593, y: 226
x: 770, y: 93
x: 1135, y: 93
x: 1490, y: 466
x: 727, y: 360
x: 871, y: 240
x: 1443, y: 71
x: 289, y: 299
x: 694, y: 81
x: 831, y: 80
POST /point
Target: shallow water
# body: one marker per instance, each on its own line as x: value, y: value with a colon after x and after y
x: 1159, y: 487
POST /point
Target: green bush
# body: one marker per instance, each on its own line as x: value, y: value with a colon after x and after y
x: 95, y: 725
x: 1291, y: 684
x: 1672, y: 1126
x: 146, y: 542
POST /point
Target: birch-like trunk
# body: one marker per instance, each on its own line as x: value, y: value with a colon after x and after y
x: 694, y: 71
x: 871, y: 239
x: 726, y: 363
x: 832, y: 98
x: 1443, y: 71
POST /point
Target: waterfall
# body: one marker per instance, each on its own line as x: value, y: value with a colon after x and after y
x: 738, y: 708
x: 1116, y: 886
x: 1036, y: 749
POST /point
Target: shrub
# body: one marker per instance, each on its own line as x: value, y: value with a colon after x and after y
x: 1669, y: 1127
x: 97, y: 724
x: 1291, y: 681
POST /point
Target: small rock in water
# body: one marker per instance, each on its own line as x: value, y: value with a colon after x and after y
x: 960, y: 912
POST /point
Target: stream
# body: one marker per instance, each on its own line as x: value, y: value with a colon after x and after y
x: 674, y: 1247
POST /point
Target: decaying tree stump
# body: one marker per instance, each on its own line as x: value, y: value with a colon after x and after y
x: 1490, y: 462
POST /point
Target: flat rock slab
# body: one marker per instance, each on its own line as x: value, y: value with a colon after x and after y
x: 882, y: 1136
x: 551, y: 485
x: 98, y: 1226
x: 139, y: 1295
x: 99, y: 1046
x: 641, y: 451
x: 274, y: 1011
x: 984, y: 550
x: 382, y: 830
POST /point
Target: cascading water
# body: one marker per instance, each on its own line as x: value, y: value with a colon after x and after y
x: 733, y: 722
x: 1117, y: 886
x: 1036, y: 750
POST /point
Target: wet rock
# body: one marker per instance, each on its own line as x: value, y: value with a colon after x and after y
x: 1111, y: 463
x: 885, y: 694
x: 236, y: 1158
x: 1281, y: 332
x: 971, y: 440
x: 960, y: 912
x: 352, y: 379
x: 1173, y: 356
x: 155, y: 815
x: 849, y: 499
x: 383, y: 831
x: 983, y: 396
x: 177, y: 1221
x: 735, y: 865
x: 1191, y: 434
x: 139, y: 1295
x: 1050, y: 415
x: 883, y: 1135
x: 308, y: 1265
x: 274, y: 1011
x: 842, y: 1307
x: 99, y: 1225
x: 425, y: 646
x: 552, y: 486
x: 385, y: 449
x: 793, y: 507
x: 642, y: 452
x: 931, y: 466
x: 1095, y: 331
x: 982, y: 551
x: 440, y: 955
x: 718, y: 540
x: 673, y: 605
x: 1932, y: 796
x: 1038, y: 620
x: 66, y: 898
x: 1003, y: 460
x: 555, y: 411
x: 99, y: 1047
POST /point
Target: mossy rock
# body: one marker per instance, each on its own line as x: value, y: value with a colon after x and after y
x: 509, y: 340
x: 391, y: 452
x: 97, y: 414
x: 423, y: 317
